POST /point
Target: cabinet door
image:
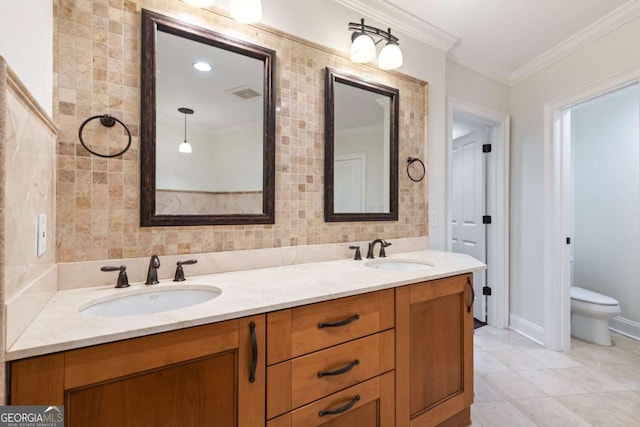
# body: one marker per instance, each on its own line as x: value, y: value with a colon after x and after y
x: 368, y: 404
x: 434, y: 351
x: 192, y: 377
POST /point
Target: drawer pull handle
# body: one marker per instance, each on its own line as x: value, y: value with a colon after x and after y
x: 254, y: 353
x: 344, y: 322
x: 340, y: 371
x: 341, y: 409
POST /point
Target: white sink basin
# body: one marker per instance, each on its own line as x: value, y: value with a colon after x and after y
x: 151, y: 301
x: 399, y: 265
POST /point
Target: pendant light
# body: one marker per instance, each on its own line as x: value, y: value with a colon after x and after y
x: 246, y: 11
x: 185, y: 147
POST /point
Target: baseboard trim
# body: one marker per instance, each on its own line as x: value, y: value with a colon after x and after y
x: 625, y: 327
x: 526, y: 328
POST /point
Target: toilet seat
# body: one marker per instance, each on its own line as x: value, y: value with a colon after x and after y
x: 585, y: 295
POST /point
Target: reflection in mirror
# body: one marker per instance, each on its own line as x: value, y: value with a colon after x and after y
x: 207, y: 130
x: 361, y: 149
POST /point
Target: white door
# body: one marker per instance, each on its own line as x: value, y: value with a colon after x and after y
x: 468, y: 197
x: 349, y: 189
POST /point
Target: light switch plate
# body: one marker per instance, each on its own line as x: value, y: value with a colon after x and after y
x: 42, y: 234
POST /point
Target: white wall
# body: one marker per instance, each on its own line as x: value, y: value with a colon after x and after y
x: 608, y: 56
x: 606, y: 152
x: 469, y: 85
x: 26, y: 43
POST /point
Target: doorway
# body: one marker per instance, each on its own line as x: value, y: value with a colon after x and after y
x: 477, y: 201
x: 592, y: 197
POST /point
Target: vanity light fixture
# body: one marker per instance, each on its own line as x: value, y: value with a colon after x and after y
x: 202, y: 66
x: 364, y: 39
x: 246, y: 11
x: 185, y: 147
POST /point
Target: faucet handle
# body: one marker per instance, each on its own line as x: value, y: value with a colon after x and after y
x: 384, y: 244
x: 123, y: 280
x: 357, y: 256
x: 179, y: 276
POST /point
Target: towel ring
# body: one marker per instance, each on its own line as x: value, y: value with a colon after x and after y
x: 106, y: 121
x: 417, y: 175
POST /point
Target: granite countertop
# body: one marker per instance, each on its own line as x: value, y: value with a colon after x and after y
x: 60, y: 326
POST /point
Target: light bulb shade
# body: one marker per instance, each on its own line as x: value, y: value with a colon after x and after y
x: 390, y: 57
x: 363, y: 49
x: 199, y: 3
x: 246, y: 11
x: 184, y: 147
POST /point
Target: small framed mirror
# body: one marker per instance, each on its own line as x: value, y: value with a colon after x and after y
x: 207, y: 127
x: 361, y: 149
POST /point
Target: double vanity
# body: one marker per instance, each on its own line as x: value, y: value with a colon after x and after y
x: 376, y: 342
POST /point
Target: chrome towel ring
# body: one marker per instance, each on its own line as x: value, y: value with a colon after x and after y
x: 106, y: 121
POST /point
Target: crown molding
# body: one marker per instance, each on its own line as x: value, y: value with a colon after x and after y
x: 610, y: 22
x: 402, y: 21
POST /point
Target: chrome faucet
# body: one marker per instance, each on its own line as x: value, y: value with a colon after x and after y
x: 383, y: 244
x: 152, y: 273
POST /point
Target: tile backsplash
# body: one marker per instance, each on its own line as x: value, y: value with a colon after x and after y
x: 97, y: 71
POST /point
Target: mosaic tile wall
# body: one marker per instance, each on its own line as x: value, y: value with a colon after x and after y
x: 96, y: 71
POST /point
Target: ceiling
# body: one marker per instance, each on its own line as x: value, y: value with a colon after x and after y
x: 506, y: 40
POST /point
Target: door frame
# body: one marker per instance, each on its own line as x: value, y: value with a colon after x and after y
x: 497, y: 204
x: 557, y: 206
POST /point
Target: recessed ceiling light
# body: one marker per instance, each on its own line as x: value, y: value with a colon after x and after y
x: 202, y: 66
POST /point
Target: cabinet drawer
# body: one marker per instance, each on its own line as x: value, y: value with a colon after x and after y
x: 369, y: 403
x: 304, y: 379
x: 302, y: 330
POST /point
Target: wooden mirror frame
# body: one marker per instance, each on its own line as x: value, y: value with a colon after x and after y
x: 151, y: 23
x: 331, y: 77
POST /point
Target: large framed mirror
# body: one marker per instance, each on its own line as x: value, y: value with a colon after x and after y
x: 207, y: 127
x: 361, y: 149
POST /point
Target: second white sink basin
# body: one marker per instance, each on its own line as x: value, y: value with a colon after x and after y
x: 151, y: 301
x: 399, y: 265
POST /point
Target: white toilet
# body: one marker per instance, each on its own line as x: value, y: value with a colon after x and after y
x: 590, y: 314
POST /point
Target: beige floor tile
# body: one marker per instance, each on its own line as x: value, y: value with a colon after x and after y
x: 484, y: 362
x: 552, y: 359
x: 593, y: 380
x: 483, y: 392
x: 518, y: 383
x: 596, y: 355
x: 627, y: 401
x: 517, y: 360
x: 513, y: 385
x: 499, y: 414
x: 548, y: 412
x: 491, y: 342
x: 552, y: 383
x: 594, y: 409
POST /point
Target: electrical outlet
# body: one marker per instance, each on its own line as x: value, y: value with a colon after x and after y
x: 41, y: 246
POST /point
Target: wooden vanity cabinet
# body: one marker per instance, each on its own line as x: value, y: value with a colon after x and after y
x: 332, y: 363
x: 192, y: 377
x: 434, y: 352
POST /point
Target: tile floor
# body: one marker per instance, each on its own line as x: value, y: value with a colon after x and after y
x: 519, y: 383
